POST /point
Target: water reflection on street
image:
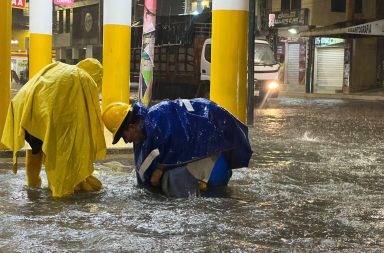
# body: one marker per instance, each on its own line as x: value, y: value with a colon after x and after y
x: 315, y: 184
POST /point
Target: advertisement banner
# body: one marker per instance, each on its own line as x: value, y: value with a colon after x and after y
x: 147, y: 52
x: 68, y: 3
x: 18, y: 4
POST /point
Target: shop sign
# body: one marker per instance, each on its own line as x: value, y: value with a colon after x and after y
x: 325, y: 42
x: 18, y: 4
x: 69, y: 3
x: 372, y: 28
x: 291, y: 18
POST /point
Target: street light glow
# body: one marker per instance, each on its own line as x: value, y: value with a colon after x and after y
x: 292, y: 30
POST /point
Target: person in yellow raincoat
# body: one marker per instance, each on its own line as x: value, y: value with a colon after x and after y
x: 58, y: 113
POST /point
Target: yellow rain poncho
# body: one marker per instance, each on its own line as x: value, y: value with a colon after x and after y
x: 60, y: 106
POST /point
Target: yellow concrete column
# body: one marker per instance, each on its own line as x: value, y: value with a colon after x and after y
x: 116, y: 51
x: 40, y: 27
x: 5, y: 61
x: 229, y: 55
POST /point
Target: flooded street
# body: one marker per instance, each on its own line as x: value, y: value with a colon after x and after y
x: 315, y: 184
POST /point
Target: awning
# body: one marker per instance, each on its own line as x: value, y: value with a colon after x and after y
x: 375, y: 28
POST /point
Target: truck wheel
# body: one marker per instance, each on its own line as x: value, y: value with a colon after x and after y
x: 203, y: 90
x: 206, y: 93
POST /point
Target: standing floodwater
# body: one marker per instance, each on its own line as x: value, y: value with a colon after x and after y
x: 315, y: 184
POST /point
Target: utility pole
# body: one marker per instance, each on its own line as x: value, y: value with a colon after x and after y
x: 380, y: 43
x: 251, y: 56
x: 350, y: 11
x: 309, y: 77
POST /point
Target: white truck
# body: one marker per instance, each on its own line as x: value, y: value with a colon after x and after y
x: 182, y: 59
x: 266, y: 69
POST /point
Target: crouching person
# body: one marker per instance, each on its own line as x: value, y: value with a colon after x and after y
x: 181, y: 147
x: 58, y: 113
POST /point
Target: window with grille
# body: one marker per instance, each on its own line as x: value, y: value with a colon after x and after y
x: 295, y: 4
x: 338, y: 5
x: 358, y: 6
x: 287, y: 5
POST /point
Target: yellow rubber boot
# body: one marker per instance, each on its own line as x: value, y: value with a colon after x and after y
x: 33, y: 168
x: 90, y: 184
x: 202, y: 186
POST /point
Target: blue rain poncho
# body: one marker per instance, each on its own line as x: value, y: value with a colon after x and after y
x: 181, y: 131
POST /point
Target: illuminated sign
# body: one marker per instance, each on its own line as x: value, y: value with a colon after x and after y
x: 271, y: 20
x: 18, y: 4
x: 64, y: 2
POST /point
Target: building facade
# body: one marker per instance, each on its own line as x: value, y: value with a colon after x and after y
x: 78, y: 29
x: 319, y: 54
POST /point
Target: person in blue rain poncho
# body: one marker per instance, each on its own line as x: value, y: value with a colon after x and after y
x: 181, y: 147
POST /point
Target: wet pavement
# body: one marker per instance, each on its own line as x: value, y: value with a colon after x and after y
x: 315, y: 184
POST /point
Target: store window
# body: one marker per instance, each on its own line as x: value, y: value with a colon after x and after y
x: 287, y: 5
x: 295, y: 4
x: 198, y: 6
x: 338, y: 5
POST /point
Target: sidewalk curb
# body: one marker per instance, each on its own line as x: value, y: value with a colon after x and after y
x: 110, y: 151
x: 332, y: 96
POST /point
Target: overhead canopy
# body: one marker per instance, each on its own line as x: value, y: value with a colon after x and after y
x: 374, y: 28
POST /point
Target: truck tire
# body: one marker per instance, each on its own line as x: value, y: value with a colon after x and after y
x: 261, y: 96
x: 203, y: 90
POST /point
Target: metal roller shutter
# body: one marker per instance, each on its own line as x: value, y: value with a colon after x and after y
x: 329, y: 67
x: 293, y: 63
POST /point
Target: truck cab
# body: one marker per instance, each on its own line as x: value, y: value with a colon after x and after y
x: 266, y: 69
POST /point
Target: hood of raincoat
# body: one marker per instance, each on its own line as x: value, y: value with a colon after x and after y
x: 94, y: 69
x: 60, y: 106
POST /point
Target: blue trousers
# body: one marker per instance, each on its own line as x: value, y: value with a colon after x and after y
x: 180, y: 183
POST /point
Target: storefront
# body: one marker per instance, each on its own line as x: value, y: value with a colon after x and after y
x: 291, y: 50
x: 346, y: 58
x: 329, y: 65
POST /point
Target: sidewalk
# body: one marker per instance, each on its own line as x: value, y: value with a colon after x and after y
x: 119, y: 148
x: 355, y: 96
x: 369, y: 95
